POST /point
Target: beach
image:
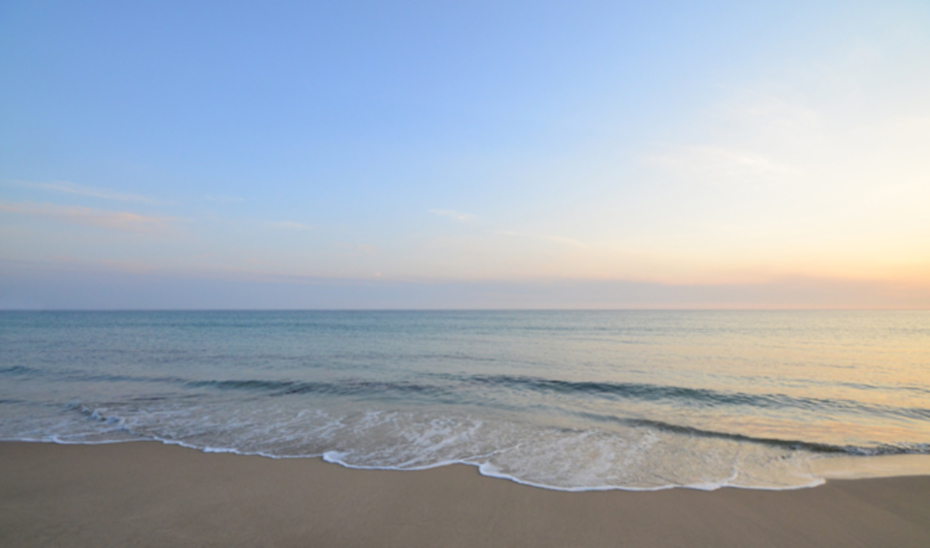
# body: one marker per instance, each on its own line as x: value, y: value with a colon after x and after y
x: 462, y: 274
x: 152, y: 494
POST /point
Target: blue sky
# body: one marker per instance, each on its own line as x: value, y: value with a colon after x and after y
x: 464, y: 154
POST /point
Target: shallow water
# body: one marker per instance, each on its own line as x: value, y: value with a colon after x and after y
x: 567, y: 400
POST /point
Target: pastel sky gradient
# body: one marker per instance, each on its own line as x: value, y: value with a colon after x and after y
x: 524, y: 154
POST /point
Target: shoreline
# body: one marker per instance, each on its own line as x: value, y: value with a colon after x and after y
x: 153, y: 494
x: 844, y: 467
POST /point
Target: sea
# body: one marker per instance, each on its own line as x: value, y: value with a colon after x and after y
x: 568, y: 400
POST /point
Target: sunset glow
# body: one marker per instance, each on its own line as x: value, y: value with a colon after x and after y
x: 472, y: 155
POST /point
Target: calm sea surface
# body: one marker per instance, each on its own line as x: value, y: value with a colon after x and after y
x: 567, y: 400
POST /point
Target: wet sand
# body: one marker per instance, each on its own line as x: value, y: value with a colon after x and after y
x: 150, y: 494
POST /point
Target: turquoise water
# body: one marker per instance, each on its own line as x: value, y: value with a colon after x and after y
x: 566, y: 400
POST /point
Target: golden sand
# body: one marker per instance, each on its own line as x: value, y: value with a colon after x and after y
x: 150, y: 494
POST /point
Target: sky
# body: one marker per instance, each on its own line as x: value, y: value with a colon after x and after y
x: 464, y: 154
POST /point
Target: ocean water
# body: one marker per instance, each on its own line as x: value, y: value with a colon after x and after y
x: 574, y: 400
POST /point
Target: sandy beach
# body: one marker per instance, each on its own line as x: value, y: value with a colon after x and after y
x: 150, y: 494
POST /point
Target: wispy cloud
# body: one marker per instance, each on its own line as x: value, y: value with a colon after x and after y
x: 544, y: 237
x: 345, y: 249
x: 454, y: 215
x: 718, y: 162
x: 80, y: 190
x: 223, y: 198
x: 114, y: 220
x: 291, y: 225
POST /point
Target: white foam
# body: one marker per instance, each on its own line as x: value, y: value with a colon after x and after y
x: 564, y: 459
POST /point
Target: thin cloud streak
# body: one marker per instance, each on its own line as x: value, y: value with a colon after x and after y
x: 454, y: 215
x: 291, y: 225
x: 114, y: 220
x: 79, y: 190
x: 223, y: 199
x: 718, y: 163
x: 545, y: 237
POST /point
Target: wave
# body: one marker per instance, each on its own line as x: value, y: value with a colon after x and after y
x: 451, y: 388
x: 813, y: 447
x: 690, y: 397
x: 100, y: 415
x: 346, y: 387
x: 18, y: 370
x: 697, y: 397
